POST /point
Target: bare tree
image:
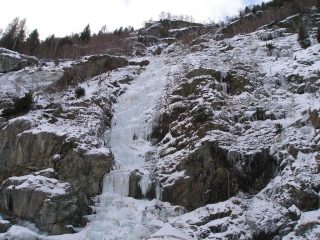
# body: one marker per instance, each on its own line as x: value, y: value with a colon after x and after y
x: 103, y: 30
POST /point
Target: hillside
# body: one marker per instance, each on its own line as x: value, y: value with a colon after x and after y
x: 215, y: 136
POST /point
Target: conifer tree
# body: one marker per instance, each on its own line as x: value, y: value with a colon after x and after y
x: 318, y: 34
x: 303, y: 37
x: 33, y: 42
x: 50, y: 45
x: 14, y: 36
x: 85, y: 35
x: 7, y: 40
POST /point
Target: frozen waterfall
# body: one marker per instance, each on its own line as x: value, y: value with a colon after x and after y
x: 117, y: 215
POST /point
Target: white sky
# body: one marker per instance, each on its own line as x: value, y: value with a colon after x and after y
x: 63, y: 17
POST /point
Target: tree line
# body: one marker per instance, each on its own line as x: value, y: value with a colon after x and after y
x: 16, y: 38
x: 269, y: 13
x: 73, y: 46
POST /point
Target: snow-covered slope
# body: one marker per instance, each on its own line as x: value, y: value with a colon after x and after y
x: 284, y: 85
x: 235, y: 140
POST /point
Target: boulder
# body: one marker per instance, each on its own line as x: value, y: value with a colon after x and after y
x: 49, y: 203
x: 139, y: 49
x: 138, y: 181
x: 141, y: 64
x: 4, y: 225
x: 13, y: 61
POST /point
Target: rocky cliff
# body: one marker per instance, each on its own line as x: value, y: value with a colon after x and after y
x: 235, y: 138
x: 63, y: 133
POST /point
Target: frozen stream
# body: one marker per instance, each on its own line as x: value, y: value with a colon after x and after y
x: 119, y: 216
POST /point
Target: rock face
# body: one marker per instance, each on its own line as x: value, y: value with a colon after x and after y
x: 49, y: 203
x: 8, y: 137
x: 12, y: 61
x: 210, y: 170
x: 236, y: 137
x: 28, y: 151
x: 315, y: 118
x: 49, y: 137
x: 81, y: 171
x: 172, y: 28
x: 213, y: 174
x: 85, y: 172
x: 88, y: 68
x: 238, y: 134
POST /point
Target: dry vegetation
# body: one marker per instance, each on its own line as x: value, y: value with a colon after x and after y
x: 272, y: 12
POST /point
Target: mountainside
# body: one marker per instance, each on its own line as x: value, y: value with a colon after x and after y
x: 216, y: 139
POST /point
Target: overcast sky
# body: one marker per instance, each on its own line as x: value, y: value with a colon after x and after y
x: 63, y: 17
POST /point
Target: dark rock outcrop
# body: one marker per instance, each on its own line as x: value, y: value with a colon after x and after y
x: 141, y: 64
x: 88, y: 68
x: 8, y: 138
x: 13, y: 61
x: 315, y: 118
x: 214, y: 174
x: 176, y: 28
x: 235, y: 83
x: 204, y: 71
x: 34, y: 150
x: 135, y: 189
x: 148, y: 40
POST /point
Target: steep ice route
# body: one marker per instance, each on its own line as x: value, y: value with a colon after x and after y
x: 117, y: 215
x: 131, y: 125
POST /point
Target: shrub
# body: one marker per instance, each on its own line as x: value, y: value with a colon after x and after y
x: 270, y: 46
x: 20, y: 106
x: 201, y: 116
x: 279, y: 128
x: 164, y: 32
x: 79, y: 92
x: 315, y: 118
x: 260, y: 114
x: 303, y: 37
